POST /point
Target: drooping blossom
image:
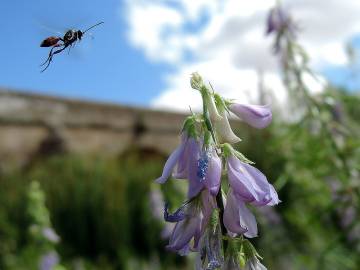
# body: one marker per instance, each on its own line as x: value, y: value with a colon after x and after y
x: 210, y: 255
x: 183, y: 163
x: 176, y: 157
x: 185, y: 230
x: 181, y: 167
x: 258, y: 116
x: 191, y: 220
x: 249, y: 184
x: 210, y: 251
x: 238, y: 218
x: 188, y: 227
x: 193, y: 161
x: 208, y: 204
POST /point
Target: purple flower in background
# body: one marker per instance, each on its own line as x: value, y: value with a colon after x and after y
x: 255, y: 115
x: 281, y: 24
x: 277, y: 20
x: 249, y: 184
x: 238, y: 218
x: 50, y: 235
x: 49, y: 261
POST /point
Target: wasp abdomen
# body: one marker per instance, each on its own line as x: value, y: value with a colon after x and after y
x: 50, y: 41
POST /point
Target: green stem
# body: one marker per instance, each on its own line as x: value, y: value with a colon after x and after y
x: 219, y: 200
x: 220, y: 204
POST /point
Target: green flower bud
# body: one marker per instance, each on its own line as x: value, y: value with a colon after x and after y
x: 196, y: 81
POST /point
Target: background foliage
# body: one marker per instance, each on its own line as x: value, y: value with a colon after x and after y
x: 106, y: 216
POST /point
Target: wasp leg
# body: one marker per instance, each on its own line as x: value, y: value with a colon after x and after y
x: 51, y: 55
x: 71, y: 46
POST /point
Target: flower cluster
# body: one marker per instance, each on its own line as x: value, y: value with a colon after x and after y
x: 205, y: 223
x: 282, y: 25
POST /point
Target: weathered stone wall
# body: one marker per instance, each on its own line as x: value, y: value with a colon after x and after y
x: 30, y: 123
x: 27, y: 120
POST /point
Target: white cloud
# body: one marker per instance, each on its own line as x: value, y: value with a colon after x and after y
x: 230, y: 47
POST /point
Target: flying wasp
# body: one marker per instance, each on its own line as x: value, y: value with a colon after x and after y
x: 59, y: 44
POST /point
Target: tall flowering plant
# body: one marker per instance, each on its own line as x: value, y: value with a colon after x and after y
x: 215, y: 221
x: 42, y: 235
x: 320, y: 148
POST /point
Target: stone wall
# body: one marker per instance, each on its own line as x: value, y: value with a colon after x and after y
x: 31, y: 123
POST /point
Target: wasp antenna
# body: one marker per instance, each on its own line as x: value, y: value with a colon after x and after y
x: 92, y: 27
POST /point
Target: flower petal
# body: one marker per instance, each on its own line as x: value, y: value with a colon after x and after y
x: 208, y: 205
x: 170, y: 163
x: 242, y: 185
x: 257, y: 116
x: 195, y: 185
x: 181, y: 170
x: 248, y: 182
x: 213, y: 111
x: 274, y: 196
x: 212, y: 179
x: 231, y: 215
x: 183, y: 232
x: 247, y: 220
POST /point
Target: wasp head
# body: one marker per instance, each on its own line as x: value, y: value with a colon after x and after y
x: 79, y: 34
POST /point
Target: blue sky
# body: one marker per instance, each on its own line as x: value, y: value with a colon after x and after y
x: 106, y: 68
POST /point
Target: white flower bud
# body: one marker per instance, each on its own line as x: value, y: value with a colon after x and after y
x: 224, y: 131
